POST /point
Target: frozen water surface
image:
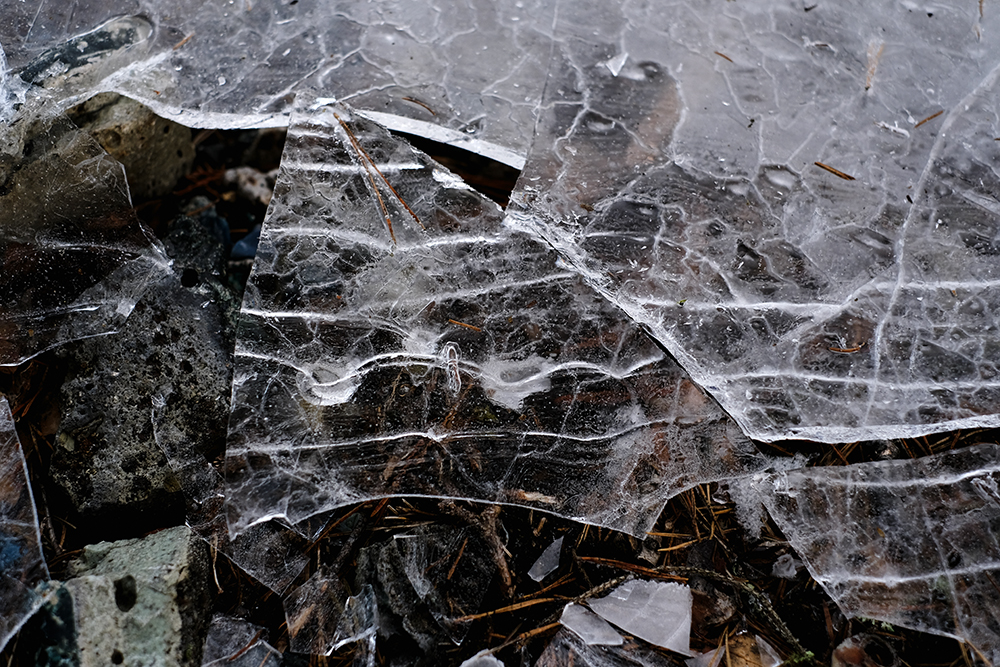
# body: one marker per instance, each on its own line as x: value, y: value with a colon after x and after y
x: 768, y: 188
x: 913, y: 543
x: 797, y: 201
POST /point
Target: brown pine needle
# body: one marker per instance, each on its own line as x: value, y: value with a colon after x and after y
x: 463, y: 324
x: 931, y: 117
x: 183, y: 42
x: 367, y: 160
x: 874, y: 55
x: 416, y: 101
x: 723, y: 55
x: 680, y: 546
x: 506, y: 610
x: 835, y: 172
x: 364, y: 163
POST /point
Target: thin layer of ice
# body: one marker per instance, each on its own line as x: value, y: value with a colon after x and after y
x: 913, y: 543
x: 799, y: 201
x: 657, y: 611
x: 450, y: 570
x: 474, y: 69
x: 22, y: 565
x: 590, y: 627
x: 815, y: 185
x: 548, y: 562
x: 398, y: 338
x: 74, y: 258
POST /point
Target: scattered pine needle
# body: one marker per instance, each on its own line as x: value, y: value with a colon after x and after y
x: 931, y: 117
x: 835, y: 172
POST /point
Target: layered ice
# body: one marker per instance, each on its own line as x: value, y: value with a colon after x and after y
x: 399, y: 337
x: 798, y: 204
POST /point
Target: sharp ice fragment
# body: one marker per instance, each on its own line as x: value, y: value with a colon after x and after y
x: 909, y: 542
x: 548, y: 562
x: 659, y: 612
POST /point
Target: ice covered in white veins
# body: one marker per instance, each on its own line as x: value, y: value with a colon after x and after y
x: 468, y: 73
x: 392, y: 316
x: 74, y: 258
x: 800, y: 202
x: 657, y: 611
x: 914, y: 543
x: 22, y: 565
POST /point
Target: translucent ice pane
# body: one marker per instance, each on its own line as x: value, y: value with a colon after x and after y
x: 913, y: 543
x: 22, y: 565
x: 548, y: 562
x: 398, y: 337
x: 466, y: 73
x: 74, y: 258
x: 591, y: 628
x: 657, y: 611
x: 797, y: 203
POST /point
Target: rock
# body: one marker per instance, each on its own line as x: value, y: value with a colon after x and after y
x: 154, y: 394
x: 135, y: 602
x: 156, y: 152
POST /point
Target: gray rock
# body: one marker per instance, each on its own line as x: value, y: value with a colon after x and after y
x: 155, y: 393
x: 136, y: 603
x: 156, y: 152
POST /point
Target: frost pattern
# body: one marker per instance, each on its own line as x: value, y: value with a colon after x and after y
x: 814, y: 183
x: 799, y: 204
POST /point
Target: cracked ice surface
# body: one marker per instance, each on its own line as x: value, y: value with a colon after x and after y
x: 239, y: 63
x: 74, y: 258
x: 433, y: 349
x: 22, y: 565
x: 674, y: 162
x: 913, y: 543
x: 674, y: 166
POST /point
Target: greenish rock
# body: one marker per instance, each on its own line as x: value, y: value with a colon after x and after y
x: 138, y: 603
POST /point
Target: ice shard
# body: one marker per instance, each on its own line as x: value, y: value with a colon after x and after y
x: 399, y: 337
x: 227, y: 63
x: 657, y: 611
x: 22, y: 565
x: 74, y: 258
x: 913, y: 542
x: 798, y: 200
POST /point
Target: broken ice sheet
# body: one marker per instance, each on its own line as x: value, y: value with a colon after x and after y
x: 430, y: 349
x: 799, y: 204
x: 74, y: 259
x: 22, y: 565
x: 468, y: 73
x: 913, y: 543
x: 657, y: 611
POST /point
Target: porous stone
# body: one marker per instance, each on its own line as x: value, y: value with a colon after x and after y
x: 137, y: 603
x: 156, y: 152
x: 152, y: 394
